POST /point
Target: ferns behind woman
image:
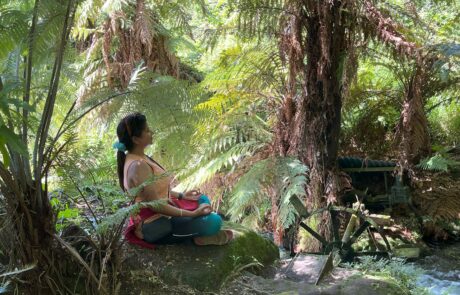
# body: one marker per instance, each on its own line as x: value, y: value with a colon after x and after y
x: 234, y: 136
x: 224, y: 123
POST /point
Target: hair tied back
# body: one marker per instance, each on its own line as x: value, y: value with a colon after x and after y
x: 119, y: 146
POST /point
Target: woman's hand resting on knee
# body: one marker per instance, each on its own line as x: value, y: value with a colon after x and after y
x: 203, y: 209
x: 192, y: 195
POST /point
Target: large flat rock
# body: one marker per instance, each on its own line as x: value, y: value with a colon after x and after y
x: 204, y: 268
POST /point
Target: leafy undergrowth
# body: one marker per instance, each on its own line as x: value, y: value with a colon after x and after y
x: 404, y: 274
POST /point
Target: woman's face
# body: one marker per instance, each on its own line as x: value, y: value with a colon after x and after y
x: 145, y: 138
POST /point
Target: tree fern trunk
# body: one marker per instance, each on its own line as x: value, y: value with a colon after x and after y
x: 326, y: 50
x: 31, y: 221
x: 28, y: 236
x: 312, y: 132
x: 414, y: 139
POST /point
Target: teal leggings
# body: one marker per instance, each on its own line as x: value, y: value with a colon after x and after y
x: 167, y: 230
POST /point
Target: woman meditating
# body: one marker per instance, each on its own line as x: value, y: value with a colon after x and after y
x: 167, y: 223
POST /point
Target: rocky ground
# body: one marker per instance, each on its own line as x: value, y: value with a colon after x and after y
x: 298, y: 276
x: 249, y: 265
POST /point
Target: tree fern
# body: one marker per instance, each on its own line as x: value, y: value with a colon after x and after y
x: 234, y: 122
x: 258, y: 17
x: 153, y: 28
x: 287, y: 177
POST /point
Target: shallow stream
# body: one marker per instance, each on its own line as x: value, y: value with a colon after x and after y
x: 442, y: 271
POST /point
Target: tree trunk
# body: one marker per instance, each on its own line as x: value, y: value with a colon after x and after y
x: 28, y: 239
x: 414, y: 138
x: 309, y: 123
x: 30, y: 221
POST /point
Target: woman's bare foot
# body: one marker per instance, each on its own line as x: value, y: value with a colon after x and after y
x: 221, y: 238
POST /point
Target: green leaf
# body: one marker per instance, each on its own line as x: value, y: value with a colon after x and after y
x: 6, y: 156
x: 13, y: 140
x: 438, y: 163
x: 68, y: 213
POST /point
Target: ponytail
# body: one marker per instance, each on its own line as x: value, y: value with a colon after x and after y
x: 129, y: 126
x: 121, y: 158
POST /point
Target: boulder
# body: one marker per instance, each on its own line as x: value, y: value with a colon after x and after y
x: 184, y: 266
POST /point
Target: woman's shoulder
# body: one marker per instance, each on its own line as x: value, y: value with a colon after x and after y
x: 136, y: 173
x: 137, y: 166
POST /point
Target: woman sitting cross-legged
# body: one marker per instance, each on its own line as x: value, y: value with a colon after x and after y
x: 167, y: 223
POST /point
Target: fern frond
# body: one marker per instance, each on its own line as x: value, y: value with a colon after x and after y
x: 438, y: 163
x: 120, y: 215
x: 258, y: 17
x: 294, y: 184
x: 18, y: 271
x: 288, y: 178
x: 13, y: 29
x: 227, y: 159
x: 113, y: 6
x: 233, y: 123
x: 249, y: 191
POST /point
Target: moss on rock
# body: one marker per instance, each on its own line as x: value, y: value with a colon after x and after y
x: 203, y: 268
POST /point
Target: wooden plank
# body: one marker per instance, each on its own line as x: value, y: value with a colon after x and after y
x: 314, y: 234
x: 327, y: 267
x: 369, y: 169
x: 356, y: 235
x: 299, y: 207
x: 380, y: 219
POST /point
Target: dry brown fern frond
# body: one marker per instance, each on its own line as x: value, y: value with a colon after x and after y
x: 386, y: 30
x: 438, y: 196
x: 129, y: 39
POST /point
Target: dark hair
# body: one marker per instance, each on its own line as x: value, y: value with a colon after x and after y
x: 131, y: 125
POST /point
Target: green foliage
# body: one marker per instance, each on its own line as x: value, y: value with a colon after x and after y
x: 397, y: 269
x: 118, y: 218
x: 258, y: 17
x: 86, y: 186
x: 234, y: 123
x: 370, y: 111
x: 10, y: 140
x: 287, y: 177
x: 13, y: 28
x: 373, y: 104
x: 220, y: 126
x: 438, y: 162
x: 444, y: 119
